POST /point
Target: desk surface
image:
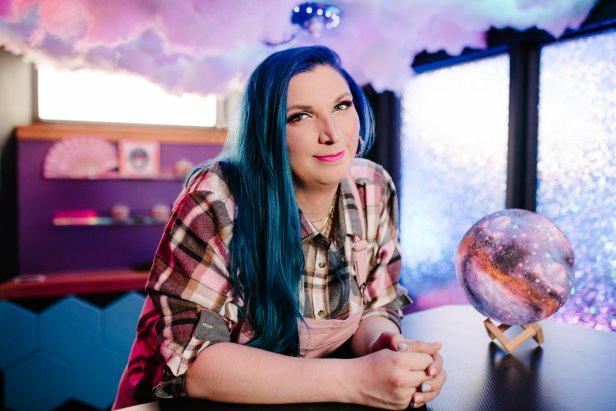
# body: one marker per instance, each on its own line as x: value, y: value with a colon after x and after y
x: 574, y: 369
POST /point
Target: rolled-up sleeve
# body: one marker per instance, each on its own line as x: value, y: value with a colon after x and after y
x: 385, y: 296
x: 190, y: 285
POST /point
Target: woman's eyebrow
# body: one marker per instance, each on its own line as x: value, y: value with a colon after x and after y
x: 308, y: 108
x: 299, y: 107
x: 343, y: 95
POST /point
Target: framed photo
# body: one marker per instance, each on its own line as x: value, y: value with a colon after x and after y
x: 139, y: 158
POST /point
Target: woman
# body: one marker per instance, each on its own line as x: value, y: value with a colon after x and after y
x: 278, y: 254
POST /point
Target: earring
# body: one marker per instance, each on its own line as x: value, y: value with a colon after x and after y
x: 361, y: 147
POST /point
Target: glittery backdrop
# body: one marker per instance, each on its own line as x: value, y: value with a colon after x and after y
x: 454, y: 125
x: 577, y: 168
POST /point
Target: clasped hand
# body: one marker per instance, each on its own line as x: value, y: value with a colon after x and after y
x: 405, y: 372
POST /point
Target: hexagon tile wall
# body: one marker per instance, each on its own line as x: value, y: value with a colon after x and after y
x: 72, y: 351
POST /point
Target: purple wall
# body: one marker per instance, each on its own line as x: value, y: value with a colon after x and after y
x: 44, y: 247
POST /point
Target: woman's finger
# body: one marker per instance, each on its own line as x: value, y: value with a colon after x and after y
x: 423, y: 346
x: 429, y: 390
x: 387, y: 340
x: 402, y: 344
x: 436, y: 366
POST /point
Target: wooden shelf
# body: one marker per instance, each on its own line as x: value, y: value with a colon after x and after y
x: 105, y: 221
x: 51, y: 285
x: 114, y: 175
x: 176, y: 135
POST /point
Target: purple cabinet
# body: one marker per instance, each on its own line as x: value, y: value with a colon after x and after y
x: 44, y: 247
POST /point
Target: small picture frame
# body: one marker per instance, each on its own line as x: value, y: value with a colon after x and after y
x: 139, y: 158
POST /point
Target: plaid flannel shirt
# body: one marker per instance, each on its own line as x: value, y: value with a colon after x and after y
x: 189, y: 281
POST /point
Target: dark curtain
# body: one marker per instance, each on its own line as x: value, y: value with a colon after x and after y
x: 386, y: 149
x: 8, y: 209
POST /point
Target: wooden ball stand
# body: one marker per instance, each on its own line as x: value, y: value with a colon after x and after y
x: 498, y: 332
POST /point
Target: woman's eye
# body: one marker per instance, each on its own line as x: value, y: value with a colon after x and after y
x: 297, y: 117
x: 343, y: 105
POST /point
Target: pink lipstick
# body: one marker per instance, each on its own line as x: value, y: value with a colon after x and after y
x: 331, y: 158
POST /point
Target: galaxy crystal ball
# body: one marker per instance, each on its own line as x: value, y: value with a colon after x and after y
x: 515, y: 266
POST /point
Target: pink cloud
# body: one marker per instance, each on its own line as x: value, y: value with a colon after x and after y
x: 200, y: 46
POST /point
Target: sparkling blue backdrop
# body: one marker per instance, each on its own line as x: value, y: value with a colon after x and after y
x: 454, y: 154
x: 577, y: 168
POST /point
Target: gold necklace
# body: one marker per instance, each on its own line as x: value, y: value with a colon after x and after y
x: 330, y: 214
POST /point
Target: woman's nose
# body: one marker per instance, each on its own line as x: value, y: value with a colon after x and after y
x: 328, y: 131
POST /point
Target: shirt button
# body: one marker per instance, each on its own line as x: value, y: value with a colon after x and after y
x: 321, y: 313
x: 322, y: 264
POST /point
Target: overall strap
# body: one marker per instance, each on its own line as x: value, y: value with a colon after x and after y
x: 360, y: 244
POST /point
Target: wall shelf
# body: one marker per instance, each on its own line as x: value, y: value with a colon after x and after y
x: 105, y: 221
x: 76, y: 217
x: 114, y: 175
x: 50, y: 131
x: 49, y: 285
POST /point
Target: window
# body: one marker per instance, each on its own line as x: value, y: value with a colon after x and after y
x: 89, y: 95
x: 577, y: 168
x: 454, y: 124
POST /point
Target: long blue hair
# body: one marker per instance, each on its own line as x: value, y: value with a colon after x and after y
x: 267, y: 262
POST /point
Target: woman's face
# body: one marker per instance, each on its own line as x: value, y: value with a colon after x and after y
x: 322, y: 127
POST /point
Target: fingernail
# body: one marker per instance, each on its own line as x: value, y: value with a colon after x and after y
x: 419, y: 399
x: 425, y: 387
x: 432, y: 372
x: 402, y: 346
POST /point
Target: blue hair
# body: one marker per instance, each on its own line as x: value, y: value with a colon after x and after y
x: 267, y: 262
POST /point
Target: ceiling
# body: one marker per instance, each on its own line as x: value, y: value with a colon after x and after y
x: 207, y: 46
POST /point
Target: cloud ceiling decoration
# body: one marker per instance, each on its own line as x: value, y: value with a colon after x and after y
x: 205, y: 45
